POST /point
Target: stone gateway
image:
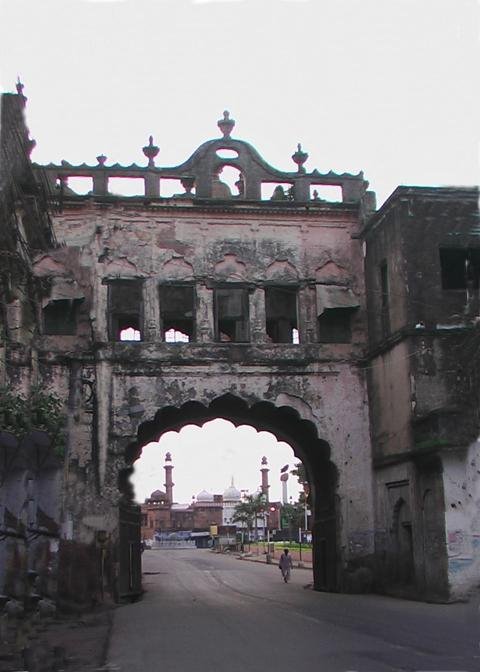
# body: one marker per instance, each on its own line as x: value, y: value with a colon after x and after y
x: 350, y: 333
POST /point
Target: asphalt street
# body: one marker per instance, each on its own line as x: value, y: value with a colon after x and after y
x: 203, y: 611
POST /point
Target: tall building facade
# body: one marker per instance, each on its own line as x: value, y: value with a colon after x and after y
x: 422, y: 270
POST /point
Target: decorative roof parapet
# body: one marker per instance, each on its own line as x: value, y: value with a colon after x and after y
x: 197, y: 173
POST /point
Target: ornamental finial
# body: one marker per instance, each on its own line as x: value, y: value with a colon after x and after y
x: 19, y: 86
x: 151, y: 151
x: 299, y: 158
x: 226, y: 124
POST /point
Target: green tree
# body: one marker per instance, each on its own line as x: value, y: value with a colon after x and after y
x: 300, y: 472
x: 248, y: 511
x: 40, y: 410
x: 293, y: 514
x: 294, y: 517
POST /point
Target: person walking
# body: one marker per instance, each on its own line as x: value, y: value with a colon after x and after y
x: 285, y: 564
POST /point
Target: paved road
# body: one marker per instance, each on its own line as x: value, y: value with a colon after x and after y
x: 205, y: 612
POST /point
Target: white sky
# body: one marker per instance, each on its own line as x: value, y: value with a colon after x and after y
x: 206, y: 459
x: 390, y: 87
x: 385, y: 86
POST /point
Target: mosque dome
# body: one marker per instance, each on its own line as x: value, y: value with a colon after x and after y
x: 204, y: 496
x: 158, y: 494
x: 232, y: 494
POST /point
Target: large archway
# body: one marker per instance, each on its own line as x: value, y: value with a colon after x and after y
x: 286, y: 424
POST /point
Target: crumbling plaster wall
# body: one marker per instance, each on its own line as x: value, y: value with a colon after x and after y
x: 462, y: 505
x: 391, y: 400
x: 420, y: 404
x: 124, y: 241
x: 420, y: 488
x: 128, y: 243
x: 384, y: 245
x: 335, y: 396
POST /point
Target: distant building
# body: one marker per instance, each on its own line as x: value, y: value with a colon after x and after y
x: 231, y: 499
x: 161, y: 515
x: 156, y: 514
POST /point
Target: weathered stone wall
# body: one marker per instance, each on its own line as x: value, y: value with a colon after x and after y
x: 112, y: 388
x: 334, y: 398
x: 391, y: 401
x: 462, y: 509
x: 30, y: 478
x: 423, y: 409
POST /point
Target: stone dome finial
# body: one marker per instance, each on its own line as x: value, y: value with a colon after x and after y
x: 264, y: 460
x: 168, y: 457
x: 151, y: 151
x: 299, y: 158
x: 226, y: 124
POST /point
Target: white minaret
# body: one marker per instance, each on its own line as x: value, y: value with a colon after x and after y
x: 284, y: 479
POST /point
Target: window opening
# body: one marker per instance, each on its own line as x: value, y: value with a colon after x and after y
x: 277, y: 191
x: 177, y: 313
x: 60, y: 317
x: 174, y: 336
x: 231, y: 314
x: 334, y: 325
x: 460, y: 268
x: 281, y: 313
x: 130, y: 334
x: 227, y: 181
x: 224, y: 153
x: 125, y: 306
x: 171, y: 187
x: 80, y: 185
x: 385, y: 307
x: 326, y: 192
x: 126, y: 186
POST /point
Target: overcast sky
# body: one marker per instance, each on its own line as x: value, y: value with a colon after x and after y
x: 385, y: 86
x: 208, y: 459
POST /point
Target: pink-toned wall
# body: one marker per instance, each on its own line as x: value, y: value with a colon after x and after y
x: 320, y: 381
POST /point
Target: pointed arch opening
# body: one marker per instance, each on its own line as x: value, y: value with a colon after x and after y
x: 286, y: 424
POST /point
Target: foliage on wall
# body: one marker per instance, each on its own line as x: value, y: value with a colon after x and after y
x: 40, y: 410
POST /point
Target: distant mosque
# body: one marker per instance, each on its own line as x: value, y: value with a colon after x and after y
x: 161, y: 516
